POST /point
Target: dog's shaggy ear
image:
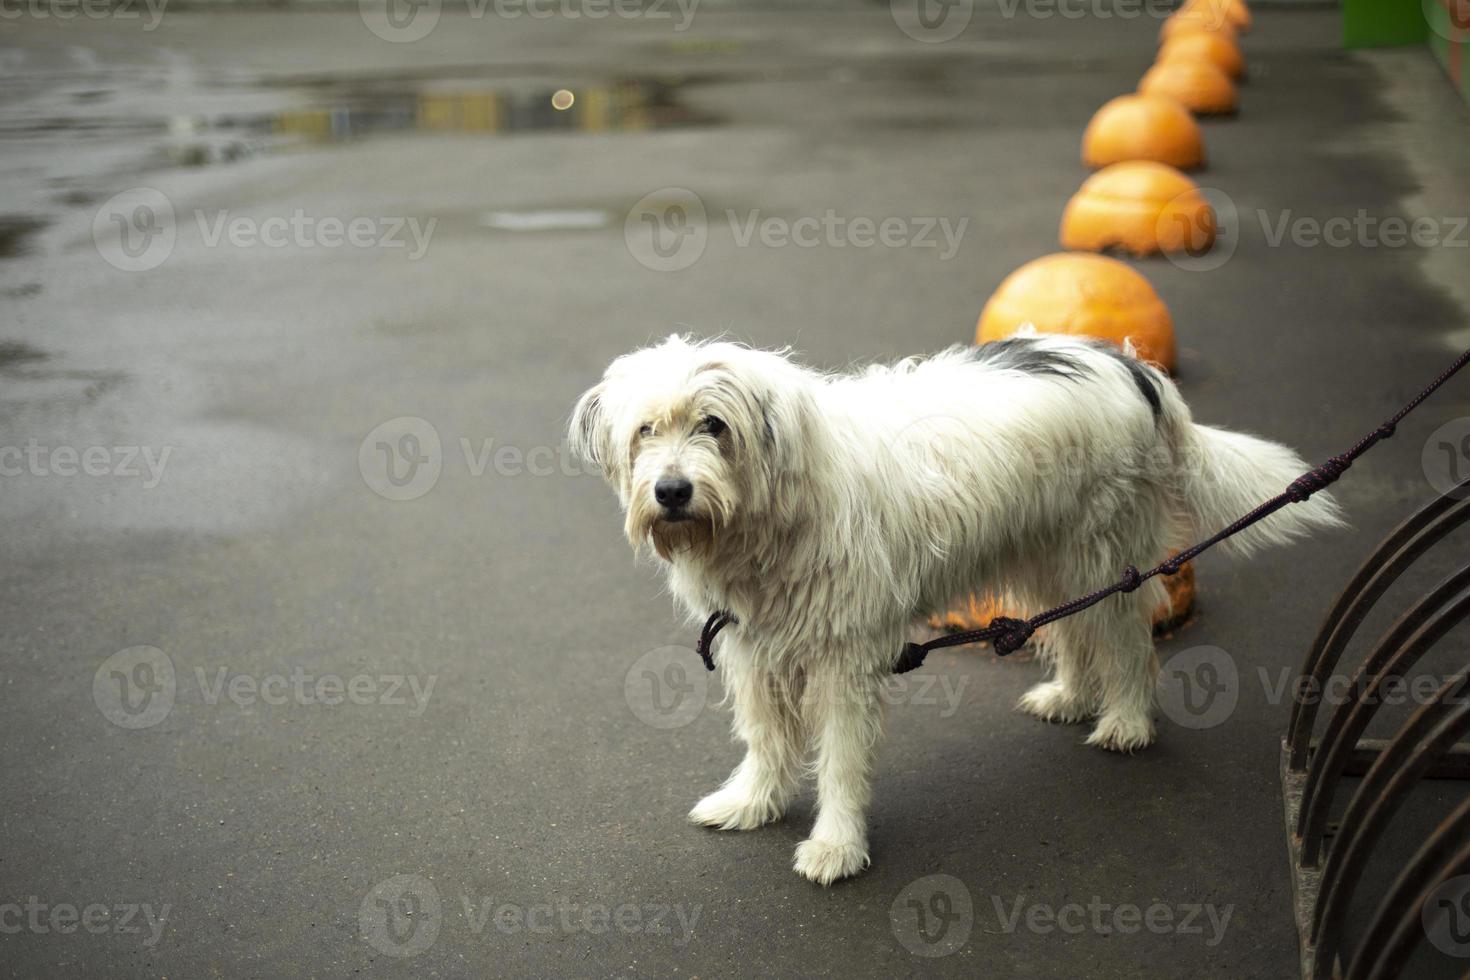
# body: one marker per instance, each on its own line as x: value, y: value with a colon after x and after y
x: 590, y: 433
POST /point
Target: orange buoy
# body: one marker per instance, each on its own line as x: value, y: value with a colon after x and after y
x: 1176, y: 25
x: 1215, y: 49
x: 1081, y: 293
x: 1139, y: 206
x: 1143, y: 127
x: 1199, y: 87
x: 977, y: 611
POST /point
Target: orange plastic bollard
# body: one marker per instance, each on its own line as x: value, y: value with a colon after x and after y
x: 1177, y: 26
x: 1142, y: 207
x: 1199, y: 87
x: 1214, y: 49
x: 1081, y: 293
x: 1143, y: 127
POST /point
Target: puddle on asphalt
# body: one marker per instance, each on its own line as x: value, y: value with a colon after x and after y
x: 23, y: 291
x: 624, y: 106
x: 341, y: 110
x: 15, y: 229
x: 13, y: 353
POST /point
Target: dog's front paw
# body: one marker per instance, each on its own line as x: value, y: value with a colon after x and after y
x: 825, y: 861
x: 731, y: 809
x: 1051, y: 701
x: 1123, y: 733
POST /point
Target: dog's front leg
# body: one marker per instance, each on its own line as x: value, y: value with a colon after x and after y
x: 768, y: 721
x: 844, y: 712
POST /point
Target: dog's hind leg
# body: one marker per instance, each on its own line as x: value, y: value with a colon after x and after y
x: 1125, y: 668
x: 844, y: 712
x: 768, y: 721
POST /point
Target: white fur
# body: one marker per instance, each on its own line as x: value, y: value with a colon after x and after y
x: 836, y: 511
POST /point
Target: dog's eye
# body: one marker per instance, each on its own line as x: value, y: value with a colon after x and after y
x: 645, y: 431
x: 713, y: 424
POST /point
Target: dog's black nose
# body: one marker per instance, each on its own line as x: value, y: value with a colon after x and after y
x: 673, y: 491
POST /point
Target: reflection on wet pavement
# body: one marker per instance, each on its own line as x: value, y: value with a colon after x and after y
x: 15, y: 229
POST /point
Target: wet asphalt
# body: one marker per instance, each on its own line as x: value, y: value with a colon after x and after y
x: 319, y: 656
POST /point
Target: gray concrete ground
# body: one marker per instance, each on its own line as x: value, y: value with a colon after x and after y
x: 513, y: 734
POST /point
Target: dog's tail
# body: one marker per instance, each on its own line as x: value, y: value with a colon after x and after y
x: 1227, y: 474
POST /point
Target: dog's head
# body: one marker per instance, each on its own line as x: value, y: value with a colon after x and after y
x: 694, y: 437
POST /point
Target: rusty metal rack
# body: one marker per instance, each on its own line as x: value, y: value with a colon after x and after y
x: 1328, y: 859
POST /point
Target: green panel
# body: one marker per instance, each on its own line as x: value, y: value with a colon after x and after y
x: 1377, y: 23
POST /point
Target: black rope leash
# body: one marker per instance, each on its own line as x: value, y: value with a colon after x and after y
x: 1009, y: 635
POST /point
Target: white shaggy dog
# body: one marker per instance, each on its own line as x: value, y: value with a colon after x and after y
x: 829, y: 513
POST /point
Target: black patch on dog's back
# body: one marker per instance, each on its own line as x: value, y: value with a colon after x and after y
x: 1147, y: 386
x: 1025, y: 355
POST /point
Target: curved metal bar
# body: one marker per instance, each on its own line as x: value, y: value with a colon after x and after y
x: 1386, y: 549
x: 1404, y: 545
x: 1428, y: 732
x: 1396, y: 927
x: 1406, y: 642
